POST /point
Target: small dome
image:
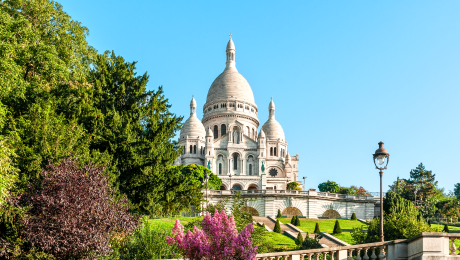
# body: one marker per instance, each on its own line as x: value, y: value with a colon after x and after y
x: 193, y: 128
x: 209, y: 132
x: 193, y: 102
x: 271, y: 105
x: 230, y: 84
x: 261, y: 133
x: 230, y: 45
x: 273, y: 129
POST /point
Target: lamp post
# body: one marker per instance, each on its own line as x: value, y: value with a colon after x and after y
x: 380, y: 156
x: 304, y: 182
x: 230, y: 176
x: 206, y: 178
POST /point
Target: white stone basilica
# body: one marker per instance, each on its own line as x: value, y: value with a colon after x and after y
x: 227, y: 141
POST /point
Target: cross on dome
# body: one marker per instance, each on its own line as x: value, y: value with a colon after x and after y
x: 230, y: 35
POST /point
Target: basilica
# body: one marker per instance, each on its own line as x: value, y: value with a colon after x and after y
x: 227, y: 139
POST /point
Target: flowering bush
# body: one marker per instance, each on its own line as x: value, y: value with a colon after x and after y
x: 219, y: 239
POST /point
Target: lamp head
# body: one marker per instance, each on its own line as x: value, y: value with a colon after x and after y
x: 380, y: 156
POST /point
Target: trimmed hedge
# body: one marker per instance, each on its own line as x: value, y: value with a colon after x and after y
x: 317, y: 228
x: 277, y: 227
x: 353, y: 216
x: 337, y: 229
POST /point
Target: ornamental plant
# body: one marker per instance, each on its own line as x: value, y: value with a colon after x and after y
x: 279, y: 214
x: 293, y: 220
x: 299, y: 240
x: 297, y: 221
x: 277, y: 228
x: 219, y: 239
x: 71, y: 213
x: 337, y: 229
x: 317, y: 228
x: 353, y: 216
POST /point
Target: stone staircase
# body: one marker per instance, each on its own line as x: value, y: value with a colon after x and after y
x: 292, y: 232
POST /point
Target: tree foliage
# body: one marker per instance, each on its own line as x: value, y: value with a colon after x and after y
x: 293, y: 186
x: 457, y: 190
x: 329, y: 186
x: 337, y: 229
x: 277, y: 228
x: 317, y: 230
x: 353, y: 216
x: 71, y: 213
x: 278, y: 215
x: 299, y: 239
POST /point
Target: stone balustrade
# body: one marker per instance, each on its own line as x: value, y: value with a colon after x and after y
x: 426, y: 246
x: 291, y: 192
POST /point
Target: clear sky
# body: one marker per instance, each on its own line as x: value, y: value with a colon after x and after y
x: 344, y: 75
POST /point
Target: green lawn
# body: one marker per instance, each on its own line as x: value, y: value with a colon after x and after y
x: 325, y: 225
x: 281, y: 241
x: 441, y: 227
x: 168, y: 223
x: 345, y: 237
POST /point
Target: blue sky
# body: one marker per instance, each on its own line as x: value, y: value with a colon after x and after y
x: 344, y: 75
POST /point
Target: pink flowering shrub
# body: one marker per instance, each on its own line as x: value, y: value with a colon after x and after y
x: 219, y: 239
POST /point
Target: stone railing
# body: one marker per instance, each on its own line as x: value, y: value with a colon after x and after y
x: 293, y: 192
x: 430, y: 246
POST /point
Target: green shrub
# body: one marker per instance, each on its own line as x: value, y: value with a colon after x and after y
x: 337, y: 229
x: 311, y: 243
x: 353, y: 216
x: 147, y: 242
x: 317, y: 228
x: 297, y: 221
x: 358, y: 235
x: 293, y: 220
x: 299, y: 240
x: 279, y: 214
x: 277, y: 227
x: 446, y: 228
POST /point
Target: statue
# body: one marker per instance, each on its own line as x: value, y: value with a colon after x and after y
x: 263, y: 167
x: 209, y: 164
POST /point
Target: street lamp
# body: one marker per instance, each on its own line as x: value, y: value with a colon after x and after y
x: 380, y: 156
x: 230, y: 176
x: 206, y: 178
x: 304, y: 182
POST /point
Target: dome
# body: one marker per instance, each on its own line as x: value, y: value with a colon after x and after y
x: 193, y: 128
x: 230, y: 84
x: 273, y: 129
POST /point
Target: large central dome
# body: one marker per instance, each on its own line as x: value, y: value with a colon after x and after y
x: 230, y: 84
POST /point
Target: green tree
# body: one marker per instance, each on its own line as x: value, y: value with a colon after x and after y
x: 457, y: 190
x: 353, y: 216
x: 297, y: 221
x: 446, y: 228
x: 134, y: 126
x: 293, y: 220
x: 329, y: 186
x: 299, y: 239
x: 277, y: 228
x: 337, y: 229
x: 317, y: 228
x: 293, y: 186
x: 279, y: 214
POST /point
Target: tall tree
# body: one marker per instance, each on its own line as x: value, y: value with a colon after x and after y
x: 457, y: 190
x: 329, y: 186
x: 134, y: 126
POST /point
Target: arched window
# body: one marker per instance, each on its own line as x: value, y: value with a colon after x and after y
x: 250, y: 169
x: 216, y: 132
x: 191, y: 149
x: 220, y: 168
x: 271, y: 151
x: 236, y: 135
x: 194, y: 149
x: 274, y: 151
x: 247, y: 131
x: 253, y: 134
x: 223, y: 130
x: 235, y: 161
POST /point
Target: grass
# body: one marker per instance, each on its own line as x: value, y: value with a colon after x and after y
x: 325, y: 225
x: 441, y: 227
x: 168, y: 223
x: 281, y: 241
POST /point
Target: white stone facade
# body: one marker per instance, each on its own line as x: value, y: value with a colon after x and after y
x: 227, y: 139
x: 228, y: 142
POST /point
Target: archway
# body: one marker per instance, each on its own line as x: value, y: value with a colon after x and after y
x: 331, y: 214
x: 223, y: 187
x: 251, y: 210
x: 291, y: 211
x: 252, y: 187
x: 237, y: 187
